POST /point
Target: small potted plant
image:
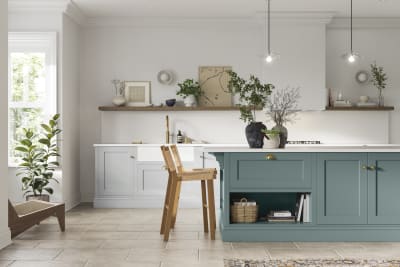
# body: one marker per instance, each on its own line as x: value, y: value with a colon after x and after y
x: 39, y: 154
x: 190, y: 91
x: 282, y: 108
x: 272, y: 138
x: 253, y: 95
x: 379, y: 79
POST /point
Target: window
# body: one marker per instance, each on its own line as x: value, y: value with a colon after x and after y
x: 32, y: 84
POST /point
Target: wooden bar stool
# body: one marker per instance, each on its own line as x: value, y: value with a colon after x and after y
x: 177, y: 175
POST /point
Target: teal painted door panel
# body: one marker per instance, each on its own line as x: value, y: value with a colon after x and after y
x: 384, y: 188
x: 286, y: 170
x: 342, y: 188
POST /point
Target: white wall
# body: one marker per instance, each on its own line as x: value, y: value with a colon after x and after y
x: 5, y: 237
x: 70, y: 45
x: 374, y: 44
x: 137, y: 51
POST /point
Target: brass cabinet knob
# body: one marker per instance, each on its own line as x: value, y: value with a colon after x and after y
x: 372, y: 168
x: 270, y: 157
x: 364, y: 167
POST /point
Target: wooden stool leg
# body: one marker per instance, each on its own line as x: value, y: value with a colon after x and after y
x: 204, y: 200
x: 167, y: 205
x: 211, y: 207
x: 171, y: 201
x: 177, y: 196
x: 60, y: 213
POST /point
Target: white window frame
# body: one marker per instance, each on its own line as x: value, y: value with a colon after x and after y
x: 31, y: 42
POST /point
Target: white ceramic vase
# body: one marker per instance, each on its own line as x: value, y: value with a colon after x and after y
x: 119, y: 100
x: 190, y: 101
x: 272, y: 142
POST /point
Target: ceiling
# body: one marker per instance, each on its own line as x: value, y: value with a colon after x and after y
x: 233, y: 8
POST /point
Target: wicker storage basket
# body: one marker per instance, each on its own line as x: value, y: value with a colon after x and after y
x: 241, y: 212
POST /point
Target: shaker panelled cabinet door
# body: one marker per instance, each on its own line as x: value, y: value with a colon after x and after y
x: 342, y: 188
x: 384, y: 188
x: 115, y: 171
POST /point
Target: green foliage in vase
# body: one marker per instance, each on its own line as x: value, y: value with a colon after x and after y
x: 189, y: 87
x: 252, y: 94
x: 39, y: 158
x: 379, y: 77
x: 271, y: 133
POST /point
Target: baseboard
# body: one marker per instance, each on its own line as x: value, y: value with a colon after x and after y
x: 72, y: 204
x: 5, y: 238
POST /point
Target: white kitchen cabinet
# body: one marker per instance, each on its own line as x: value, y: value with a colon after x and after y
x: 140, y: 182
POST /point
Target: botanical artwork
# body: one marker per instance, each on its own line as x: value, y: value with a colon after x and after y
x: 214, y: 81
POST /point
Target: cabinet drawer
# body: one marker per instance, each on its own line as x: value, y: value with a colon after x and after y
x: 270, y: 170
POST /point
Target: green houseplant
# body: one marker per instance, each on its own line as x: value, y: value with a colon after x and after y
x: 39, y: 152
x: 273, y: 139
x: 253, y: 95
x: 379, y: 79
x: 190, y: 91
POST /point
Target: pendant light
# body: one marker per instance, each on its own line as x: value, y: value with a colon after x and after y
x: 270, y: 57
x: 351, y: 56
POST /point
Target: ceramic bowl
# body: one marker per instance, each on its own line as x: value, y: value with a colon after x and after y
x: 170, y: 102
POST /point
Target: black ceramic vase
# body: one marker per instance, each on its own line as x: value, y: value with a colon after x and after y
x: 254, y: 136
x: 283, y: 135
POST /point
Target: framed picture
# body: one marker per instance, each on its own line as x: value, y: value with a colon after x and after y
x: 137, y: 94
x: 213, y: 82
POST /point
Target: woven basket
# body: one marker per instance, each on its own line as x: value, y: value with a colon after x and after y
x: 243, y: 213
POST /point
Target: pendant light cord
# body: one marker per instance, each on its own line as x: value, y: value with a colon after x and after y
x: 351, y: 26
x: 269, y: 26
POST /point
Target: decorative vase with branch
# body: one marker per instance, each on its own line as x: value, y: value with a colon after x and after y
x: 281, y: 109
x: 379, y: 79
x: 253, y: 95
x: 39, y: 152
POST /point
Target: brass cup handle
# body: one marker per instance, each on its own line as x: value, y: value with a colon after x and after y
x: 270, y: 157
x: 364, y: 167
x: 369, y: 168
x: 372, y: 168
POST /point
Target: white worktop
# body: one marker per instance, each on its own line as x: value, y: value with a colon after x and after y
x: 289, y: 148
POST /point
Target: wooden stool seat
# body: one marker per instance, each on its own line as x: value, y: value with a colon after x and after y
x: 177, y: 175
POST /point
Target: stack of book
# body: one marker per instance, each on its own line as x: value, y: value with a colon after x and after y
x: 303, y: 213
x: 281, y: 216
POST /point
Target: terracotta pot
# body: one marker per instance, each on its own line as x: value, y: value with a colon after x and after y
x: 41, y: 197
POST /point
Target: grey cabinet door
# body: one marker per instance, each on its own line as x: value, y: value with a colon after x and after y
x: 342, y: 188
x: 384, y: 188
x: 266, y: 171
x: 115, y: 171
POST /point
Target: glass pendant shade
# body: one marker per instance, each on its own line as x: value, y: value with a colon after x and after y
x: 270, y: 56
x: 351, y: 57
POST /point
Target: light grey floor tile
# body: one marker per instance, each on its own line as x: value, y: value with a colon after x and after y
x: 5, y: 263
x: 45, y: 264
x: 110, y: 235
x: 29, y: 254
x: 155, y: 244
x: 163, y: 255
x: 70, y: 244
x: 83, y: 255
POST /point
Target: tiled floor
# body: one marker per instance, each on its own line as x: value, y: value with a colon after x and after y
x: 130, y: 237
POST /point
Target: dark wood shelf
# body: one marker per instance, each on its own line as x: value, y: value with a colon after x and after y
x: 165, y: 108
x: 388, y: 108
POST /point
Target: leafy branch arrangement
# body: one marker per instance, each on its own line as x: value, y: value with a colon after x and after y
x: 270, y: 133
x: 379, y: 79
x: 119, y: 86
x: 39, y: 158
x: 282, y: 106
x: 189, y: 87
x: 252, y: 93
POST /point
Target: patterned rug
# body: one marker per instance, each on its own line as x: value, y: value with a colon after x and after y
x: 311, y: 263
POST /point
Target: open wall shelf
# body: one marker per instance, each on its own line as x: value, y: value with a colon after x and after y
x: 165, y: 108
x: 387, y: 108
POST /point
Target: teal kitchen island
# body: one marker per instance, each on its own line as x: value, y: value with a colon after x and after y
x: 354, y: 191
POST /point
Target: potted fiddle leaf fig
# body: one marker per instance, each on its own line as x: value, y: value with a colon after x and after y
x: 39, y: 152
x: 253, y: 95
x: 190, y: 91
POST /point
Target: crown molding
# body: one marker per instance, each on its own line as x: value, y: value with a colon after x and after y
x: 298, y: 17
x: 365, y: 23
x: 75, y: 13
x: 42, y: 6
x: 167, y: 22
